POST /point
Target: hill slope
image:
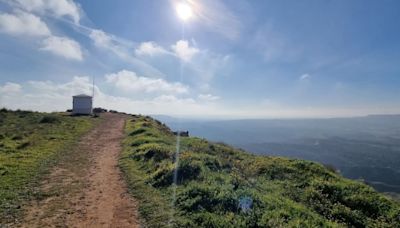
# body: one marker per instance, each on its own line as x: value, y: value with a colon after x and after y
x: 219, y: 186
x: 365, y: 148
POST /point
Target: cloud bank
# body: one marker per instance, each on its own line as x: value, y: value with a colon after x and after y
x: 63, y: 46
x: 51, y: 96
x: 57, y: 8
x: 130, y: 82
x: 25, y: 24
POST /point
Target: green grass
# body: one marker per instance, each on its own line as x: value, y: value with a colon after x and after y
x: 219, y: 186
x: 31, y: 143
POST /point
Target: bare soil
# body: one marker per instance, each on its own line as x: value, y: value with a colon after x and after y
x: 86, y: 189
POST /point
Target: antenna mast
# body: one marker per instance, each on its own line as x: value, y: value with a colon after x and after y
x: 93, y: 90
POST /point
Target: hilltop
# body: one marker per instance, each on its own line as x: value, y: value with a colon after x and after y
x: 48, y: 158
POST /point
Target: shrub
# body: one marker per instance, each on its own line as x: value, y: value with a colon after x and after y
x: 16, y: 137
x: 152, y: 151
x: 23, y: 145
x: 146, y: 124
x: 213, y: 163
x: 345, y: 215
x: 163, y: 176
x: 22, y: 113
x: 49, y: 119
x: 198, y: 197
x: 99, y: 110
x: 145, y: 140
x: 188, y: 170
x: 137, y: 131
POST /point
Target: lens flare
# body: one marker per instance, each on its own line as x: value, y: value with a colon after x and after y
x: 184, y: 11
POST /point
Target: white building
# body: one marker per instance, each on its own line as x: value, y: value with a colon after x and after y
x: 82, y: 104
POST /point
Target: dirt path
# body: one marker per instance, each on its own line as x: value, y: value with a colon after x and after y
x: 86, y: 189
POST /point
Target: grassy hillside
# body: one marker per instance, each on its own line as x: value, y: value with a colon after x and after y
x: 30, y: 143
x: 219, y: 186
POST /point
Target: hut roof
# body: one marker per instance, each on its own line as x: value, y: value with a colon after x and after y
x: 82, y: 95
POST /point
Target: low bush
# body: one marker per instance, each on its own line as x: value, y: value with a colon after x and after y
x: 17, y: 137
x: 49, y: 119
x: 163, y: 176
x: 99, y: 110
x: 143, y: 140
x: 23, y: 145
x: 188, y: 170
x: 152, y: 151
x: 137, y: 131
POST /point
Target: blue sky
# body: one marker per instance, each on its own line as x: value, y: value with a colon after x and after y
x: 240, y: 59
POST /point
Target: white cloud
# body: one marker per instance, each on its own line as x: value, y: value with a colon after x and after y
x: 78, y: 84
x: 203, y: 64
x: 46, y: 95
x: 173, y: 99
x: 63, y: 46
x: 130, y: 82
x: 122, y: 49
x: 23, y: 24
x: 183, y: 51
x: 304, y: 77
x: 10, y: 87
x: 108, y: 42
x: 58, y: 8
x: 164, y: 104
x: 208, y: 97
x: 100, y: 38
x: 150, y: 48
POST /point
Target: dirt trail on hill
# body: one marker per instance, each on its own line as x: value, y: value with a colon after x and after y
x: 87, y: 189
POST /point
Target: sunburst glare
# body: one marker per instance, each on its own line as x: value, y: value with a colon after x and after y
x: 184, y: 11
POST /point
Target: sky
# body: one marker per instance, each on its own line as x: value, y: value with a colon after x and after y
x: 231, y: 59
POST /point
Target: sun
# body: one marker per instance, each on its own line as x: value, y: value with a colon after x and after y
x: 184, y: 11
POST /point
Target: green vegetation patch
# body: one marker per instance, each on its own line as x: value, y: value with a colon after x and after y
x: 30, y: 143
x: 220, y: 186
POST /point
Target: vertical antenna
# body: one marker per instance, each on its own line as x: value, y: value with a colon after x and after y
x: 93, y: 88
x: 93, y: 94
